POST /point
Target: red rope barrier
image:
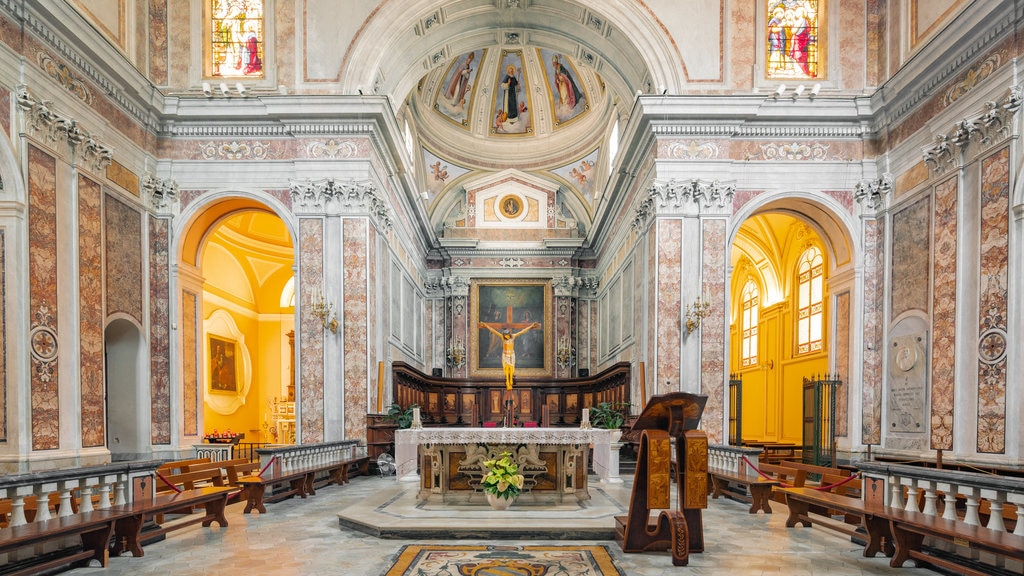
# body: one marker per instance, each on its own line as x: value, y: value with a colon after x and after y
x: 168, y: 482
x: 269, y: 462
x: 784, y: 485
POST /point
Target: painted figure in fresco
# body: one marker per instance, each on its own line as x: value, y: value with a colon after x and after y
x: 800, y: 39
x: 568, y: 93
x: 439, y: 172
x: 459, y: 85
x: 508, y: 349
x: 510, y: 108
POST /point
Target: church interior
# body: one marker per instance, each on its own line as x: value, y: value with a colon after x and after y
x: 262, y: 224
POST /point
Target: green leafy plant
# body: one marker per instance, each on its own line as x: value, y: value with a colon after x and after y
x: 401, y: 416
x: 609, y: 415
x: 503, y: 478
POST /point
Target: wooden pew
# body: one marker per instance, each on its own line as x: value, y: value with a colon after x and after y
x: 179, y: 466
x: 128, y: 525
x: 300, y: 482
x: 910, y: 528
x: 93, y: 528
x: 801, y: 501
x: 742, y: 486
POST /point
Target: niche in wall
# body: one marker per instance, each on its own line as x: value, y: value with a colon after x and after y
x: 228, y: 372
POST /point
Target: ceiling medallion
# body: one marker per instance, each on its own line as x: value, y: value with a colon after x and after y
x: 511, y: 206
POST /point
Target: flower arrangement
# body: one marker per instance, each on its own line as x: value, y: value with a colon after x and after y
x: 503, y: 478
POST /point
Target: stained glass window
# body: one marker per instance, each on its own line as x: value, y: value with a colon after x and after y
x: 810, y: 295
x: 793, y: 43
x: 236, y: 39
x: 748, y: 323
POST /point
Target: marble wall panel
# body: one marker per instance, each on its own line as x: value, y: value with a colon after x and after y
x: 123, y: 258
x: 669, y: 299
x: 740, y: 29
x: 311, y: 382
x: 3, y: 335
x: 712, y: 328
x: 42, y: 272
x: 992, y: 321
x: 874, y: 286
x: 157, y: 42
x: 741, y: 197
x: 911, y: 251
x: 852, y: 47
x: 159, y: 330
x: 90, y: 312
x: 842, y: 359
x: 372, y: 253
x: 5, y: 110
x: 844, y: 197
x: 874, y: 61
x: 354, y: 311
x: 943, y: 359
x: 189, y: 361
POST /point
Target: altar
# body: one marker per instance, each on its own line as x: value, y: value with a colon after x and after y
x: 554, y: 461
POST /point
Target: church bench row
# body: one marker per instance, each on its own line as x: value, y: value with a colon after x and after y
x: 299, y: 482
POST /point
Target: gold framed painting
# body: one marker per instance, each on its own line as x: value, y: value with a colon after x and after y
x: 224, y: 365
x: 516, y: 307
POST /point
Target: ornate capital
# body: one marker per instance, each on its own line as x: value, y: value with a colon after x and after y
x: 159, y: 192
x: 573, y: 285
x: 446, y: 286
x: 346, y: 196
x: 40, y: 118
x: 984, y: 130
x: 673, y: 195
x: 872, y: 193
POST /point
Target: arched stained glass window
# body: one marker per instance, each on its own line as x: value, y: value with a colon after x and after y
x: 748, y: 324
x: 794, y: 44
x: 236, y: 39
x: 810, y: 295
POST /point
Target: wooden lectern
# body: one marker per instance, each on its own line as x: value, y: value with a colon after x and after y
x: 675, y: 415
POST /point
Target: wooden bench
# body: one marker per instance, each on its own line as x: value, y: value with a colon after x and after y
x: 910, y: 528
x: 131, y: 517
x: 301, y: 482
x: 179, y: 466
x: 802, y: 500
x: 94, y: 528
x: 753, y: 489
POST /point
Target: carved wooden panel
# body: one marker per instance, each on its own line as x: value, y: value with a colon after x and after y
x: 658, y: 479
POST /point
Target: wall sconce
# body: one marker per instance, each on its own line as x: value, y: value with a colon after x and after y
x: 324, y: 310
x: 457, y: 352
x: 565, y: 355
x: 696, y: 312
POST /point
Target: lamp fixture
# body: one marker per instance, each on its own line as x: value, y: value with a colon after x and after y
x: 695, y: 312
x: 457, y: 352
x: 565, y: 354
x: 224, y: 89
x: 240, y: 88
x: 207, y: 91
x: 321, y: 308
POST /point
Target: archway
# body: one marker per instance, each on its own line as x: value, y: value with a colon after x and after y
x: 128, y: 422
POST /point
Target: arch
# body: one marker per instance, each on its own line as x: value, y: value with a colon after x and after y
x: 199, y: 218
x: 641, y: 55
x: 128, y: 422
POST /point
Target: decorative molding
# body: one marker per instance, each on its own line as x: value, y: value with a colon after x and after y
x: 759, y: 131
x: 573, y: 285
x: 349, y: 196
x: 40, y: 118
x: 234, y: 150
x: 670, y: 196
x: 693, y: 150
x: 332, y: 149
x: 281, y: 130
x: 794, y: 151
x: 160, y: 193
x: 64, y: 76
x: 985, y: 129
x: 511, y: 262
x: 446, y: 286
x: 873, y: 193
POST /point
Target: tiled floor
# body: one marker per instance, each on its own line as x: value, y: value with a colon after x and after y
x: 303, y: 537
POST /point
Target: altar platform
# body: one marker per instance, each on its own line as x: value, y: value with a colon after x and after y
x: 396, y: 511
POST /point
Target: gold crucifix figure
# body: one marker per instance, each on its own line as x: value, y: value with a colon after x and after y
x: 508, y: 339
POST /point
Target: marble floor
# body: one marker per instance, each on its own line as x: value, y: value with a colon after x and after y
x: 316, y: 536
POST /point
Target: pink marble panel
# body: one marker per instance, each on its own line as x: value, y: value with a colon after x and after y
x: 712, y: 328
x: 42, y: 272
x: 372, y: 328
x: 3, y: 333
x: 796, y: 150
x: 852, y: 46
x: 179, y: 35
x: 186, y: 197
x: 741, y: 197
x: 123, y: 258
x: 741, y: 32
x: 5, y: 110
x: 992, y: 344
x: 844, y: 197
x: 668, y: 338
x: 90, y: 312
x: 159, y: 330
x: 874, y: 285
x: 911, y: 250
x: 311, y: 355
x: 189, y: 361
x: 157, y: 42
x: 876, y: 48
x: 842, y: 359
x: 354, y: 311
x: 943, y: 361
x: 282, y: 196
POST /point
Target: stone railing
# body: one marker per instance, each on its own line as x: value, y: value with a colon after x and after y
x: 723, y: 457
x: 919, y: 489
x: 286, y: 458
x: 90, y: 488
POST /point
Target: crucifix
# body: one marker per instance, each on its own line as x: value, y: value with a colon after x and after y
x: 504, y: 330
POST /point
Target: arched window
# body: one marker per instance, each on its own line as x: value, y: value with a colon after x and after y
x: 748, y: 324
x: 236, y: 34
x: 793, y: 43
x: 810, y: 294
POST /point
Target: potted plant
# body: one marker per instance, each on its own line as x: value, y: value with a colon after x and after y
x: 502, y: 482
x: 610, y: 416
x: 402, y: 417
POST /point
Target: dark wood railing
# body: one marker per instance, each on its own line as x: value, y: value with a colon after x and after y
x: 476, y: 401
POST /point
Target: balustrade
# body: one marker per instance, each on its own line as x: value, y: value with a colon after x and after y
x: 298, y: 456
x: 724, y: 457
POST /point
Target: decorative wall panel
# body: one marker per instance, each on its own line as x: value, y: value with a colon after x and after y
x: 992, y: 344
x: 943, y: 360
x: 842, y: 347
x: 874, y: 284
x: 123, y: 258
x: 355, y: 345
x: 90, y: 312
x: 712, y: 328
x: 159, y: 333
x: 157, y: 42
x: 5, y: 110
x: 311, y: 278
x: 669, y: 250
x: 42, y: 272
x: 3, y: 335
x: 189, y: 365
x: 910, y: 254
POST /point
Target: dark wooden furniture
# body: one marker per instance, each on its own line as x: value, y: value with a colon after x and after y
x: 299, y: 482
x: 128, y: 527
x: 803, y: 501
x: 910, y: 528
x: 380, y: 436
x: 94, y: 528
x: 667, y: 417
x: 740, y: 486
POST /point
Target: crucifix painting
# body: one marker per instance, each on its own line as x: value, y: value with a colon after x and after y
x: 520, y: 311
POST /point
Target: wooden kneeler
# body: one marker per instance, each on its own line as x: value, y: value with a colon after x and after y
x: 680, y: 530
